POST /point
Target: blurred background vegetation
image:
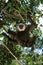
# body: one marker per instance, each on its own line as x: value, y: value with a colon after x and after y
x: 13, y: 12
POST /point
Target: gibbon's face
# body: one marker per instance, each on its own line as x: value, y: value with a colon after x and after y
x: 21, y: 27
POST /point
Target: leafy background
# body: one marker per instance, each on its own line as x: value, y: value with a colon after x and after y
x: 23, y: 54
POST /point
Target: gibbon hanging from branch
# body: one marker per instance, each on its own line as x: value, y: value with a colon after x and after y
x: 21, y: 36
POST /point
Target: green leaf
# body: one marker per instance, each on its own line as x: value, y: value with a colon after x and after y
x: 1, y: 35
x: 6, y: 28
x: 41, y: 1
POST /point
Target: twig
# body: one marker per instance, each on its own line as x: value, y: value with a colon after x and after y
x: 16, y: 13
x: 9, y: 15
x: 18, y: 1
x: 10, y: 52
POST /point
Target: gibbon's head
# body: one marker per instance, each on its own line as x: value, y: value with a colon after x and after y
x: 21, y: 27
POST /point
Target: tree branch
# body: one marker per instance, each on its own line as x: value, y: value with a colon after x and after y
x: 16, y: 13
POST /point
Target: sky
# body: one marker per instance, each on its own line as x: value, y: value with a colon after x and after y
x: 41, y: 18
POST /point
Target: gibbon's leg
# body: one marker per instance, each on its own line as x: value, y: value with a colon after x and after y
x: 31, y: 41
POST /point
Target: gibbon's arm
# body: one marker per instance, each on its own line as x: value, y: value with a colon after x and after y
x: 33, y: 24
x: 15, y: 39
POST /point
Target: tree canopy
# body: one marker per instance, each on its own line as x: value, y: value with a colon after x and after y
x: 20, y: 28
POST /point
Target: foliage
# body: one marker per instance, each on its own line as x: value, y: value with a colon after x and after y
x: 13, y: 13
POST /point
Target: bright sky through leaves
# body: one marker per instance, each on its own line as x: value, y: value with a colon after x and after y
x: 41, y: 19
